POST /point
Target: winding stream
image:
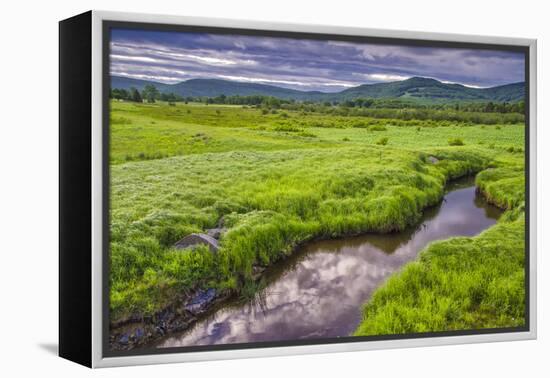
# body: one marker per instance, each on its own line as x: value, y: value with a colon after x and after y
x: 318, y: 291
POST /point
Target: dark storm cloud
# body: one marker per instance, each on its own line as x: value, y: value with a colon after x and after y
x: 171, y: 57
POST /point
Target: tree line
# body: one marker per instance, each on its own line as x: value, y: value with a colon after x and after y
x: 151, y: 94
x: 478, y: 107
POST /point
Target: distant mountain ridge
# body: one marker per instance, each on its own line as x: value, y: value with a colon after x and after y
x: 414, y: 89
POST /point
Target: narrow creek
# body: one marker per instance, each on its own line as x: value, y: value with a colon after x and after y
x: 318, y: 292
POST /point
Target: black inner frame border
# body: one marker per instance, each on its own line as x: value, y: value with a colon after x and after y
x: 107, y: 25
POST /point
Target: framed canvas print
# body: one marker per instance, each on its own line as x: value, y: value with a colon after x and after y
x: 232, y: 189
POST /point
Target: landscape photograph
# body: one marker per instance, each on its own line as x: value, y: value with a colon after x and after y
x: 294, y: 189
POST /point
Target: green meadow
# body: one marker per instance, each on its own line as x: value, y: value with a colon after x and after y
x: 278, y: 178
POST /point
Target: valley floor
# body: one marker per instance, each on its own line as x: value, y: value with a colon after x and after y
x: 277, y: 180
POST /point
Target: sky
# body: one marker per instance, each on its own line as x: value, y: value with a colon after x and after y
x: 303, y: 64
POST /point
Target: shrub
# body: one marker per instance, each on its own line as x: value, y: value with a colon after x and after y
x: 288, y: 128
x: 456, y: 142
x: 121, y: 120
x: 346, y: 139
x: 513, y: 149
x: 377, y: 128
x: 360, y: 125
x: 382, y: 141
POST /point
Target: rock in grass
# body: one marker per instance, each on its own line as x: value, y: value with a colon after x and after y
x: 200, y: 301
x: 193, y: 240
x: 139, y: 333
x: 433, y: 159
x: 124, y: 339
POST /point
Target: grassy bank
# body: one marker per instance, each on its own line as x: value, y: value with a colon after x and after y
x: 274, y: 181
x: 462, y: 283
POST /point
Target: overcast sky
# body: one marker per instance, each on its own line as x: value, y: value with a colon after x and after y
x: 328, y: 66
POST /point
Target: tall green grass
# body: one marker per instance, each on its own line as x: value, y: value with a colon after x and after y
x: 459, y: 284
x: 503, y: 186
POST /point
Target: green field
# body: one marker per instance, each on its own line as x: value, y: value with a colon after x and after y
x: 278, y: 178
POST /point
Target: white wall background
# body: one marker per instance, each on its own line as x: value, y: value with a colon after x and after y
x: 28, y: 185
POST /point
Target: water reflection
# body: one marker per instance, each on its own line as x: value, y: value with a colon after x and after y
x: 318, y: 292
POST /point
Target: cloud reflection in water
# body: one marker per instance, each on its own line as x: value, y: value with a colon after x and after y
x: 318, y: 292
